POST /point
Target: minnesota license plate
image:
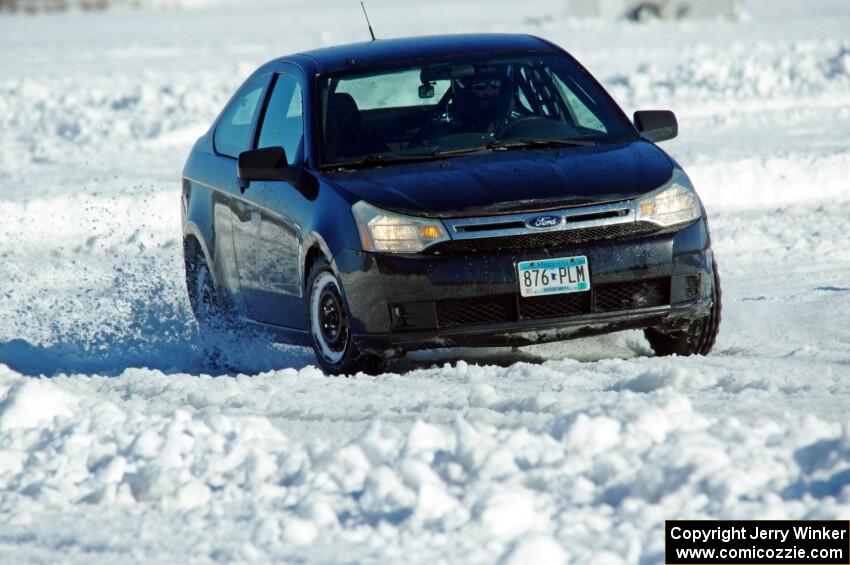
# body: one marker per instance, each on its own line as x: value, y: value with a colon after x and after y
x: 553, y: 276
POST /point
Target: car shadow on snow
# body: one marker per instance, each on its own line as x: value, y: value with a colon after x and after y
x: 498, y: 356
x: 76, y: 358
x: 622, y: 345
x: 180, y: 356
x: 250, y: 354
x: 247, y: 353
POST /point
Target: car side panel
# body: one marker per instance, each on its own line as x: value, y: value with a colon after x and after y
x: 277, y: 223
x: 296, y: 217
x: 269, y: 224
x: 208, y: 194
x: 210, y: 190
x: 267, y: 232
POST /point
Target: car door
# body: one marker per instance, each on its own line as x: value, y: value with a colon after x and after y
x: 267, y: 244
x: 234, y: 133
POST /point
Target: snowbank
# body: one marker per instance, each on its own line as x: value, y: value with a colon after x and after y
x: 624, y: 464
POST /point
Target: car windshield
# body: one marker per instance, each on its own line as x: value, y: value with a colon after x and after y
x: 459, y: 105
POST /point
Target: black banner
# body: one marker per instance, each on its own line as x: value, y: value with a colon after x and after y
x: 757, y: 542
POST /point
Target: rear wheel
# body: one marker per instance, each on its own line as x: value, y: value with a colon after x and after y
x: 207, y: 306
x: 698, y: 338
x: 330, y: 331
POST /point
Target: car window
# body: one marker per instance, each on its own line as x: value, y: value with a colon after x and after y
x: 283, y: 124
x: 371, y: 92
x: 478, y: 102
x: 583, y: 115
x: 232, y: 135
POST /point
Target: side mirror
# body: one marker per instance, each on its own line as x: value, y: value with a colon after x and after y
x: 268, y: 163
x: 657, y: 125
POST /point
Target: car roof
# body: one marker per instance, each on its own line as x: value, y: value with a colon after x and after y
x: 380, y: 51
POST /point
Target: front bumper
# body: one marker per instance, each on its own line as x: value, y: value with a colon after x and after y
x: 399, y: 302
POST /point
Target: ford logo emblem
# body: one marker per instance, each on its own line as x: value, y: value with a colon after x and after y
x: 544, y: 222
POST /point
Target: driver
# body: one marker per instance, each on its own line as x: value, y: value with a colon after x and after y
x: 483, y: 101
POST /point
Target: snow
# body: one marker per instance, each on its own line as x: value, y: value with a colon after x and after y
x: 32, y: 403
x: 539, y: 549
x: 119, y: 444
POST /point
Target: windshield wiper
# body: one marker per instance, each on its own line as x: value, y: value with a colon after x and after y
x: 386, y: 159
x: 459, y: 151
x: 382, y: 159
x: 518, y: 143
x: 515, y: 144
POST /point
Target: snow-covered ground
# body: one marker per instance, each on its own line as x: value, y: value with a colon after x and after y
x: 117, y: 445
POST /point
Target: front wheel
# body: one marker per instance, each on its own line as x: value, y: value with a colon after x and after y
x: 698, y: 338
x: 330, y: 331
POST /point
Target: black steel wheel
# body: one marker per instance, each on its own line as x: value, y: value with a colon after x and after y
x: 330, y: 332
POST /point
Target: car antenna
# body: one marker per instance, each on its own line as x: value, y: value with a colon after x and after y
x: 372, y: 33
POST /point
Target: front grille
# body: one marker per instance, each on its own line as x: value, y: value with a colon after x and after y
x: 473, y: 311
x: 555, y: 306
x: 639, y: 294
x: 558, y: 238
x: 512, y: 307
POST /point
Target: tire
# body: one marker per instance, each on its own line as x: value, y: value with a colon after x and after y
x: 210, y: 314
x: 700, y: 336
x: 330, y: 335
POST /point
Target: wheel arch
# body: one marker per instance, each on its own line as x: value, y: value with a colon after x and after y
x: 313, y: 246
x: 194, y: 242
x: 195, y: 245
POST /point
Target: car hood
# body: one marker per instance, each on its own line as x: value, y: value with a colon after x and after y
x: 511, y: 181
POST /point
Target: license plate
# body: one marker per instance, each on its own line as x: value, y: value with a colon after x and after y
x: 554, y: 276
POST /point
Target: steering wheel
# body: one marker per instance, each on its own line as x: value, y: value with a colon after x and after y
x: 432, y: 125
x: 427, y: 132
x: 424, y: 134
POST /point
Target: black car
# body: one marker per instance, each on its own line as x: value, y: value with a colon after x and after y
x: 474, y: 190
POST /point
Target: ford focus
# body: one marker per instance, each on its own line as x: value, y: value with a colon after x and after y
x: 474, y: 190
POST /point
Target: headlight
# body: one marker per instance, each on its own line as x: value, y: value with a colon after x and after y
x: 674, y: 203
x: 395, y: 233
